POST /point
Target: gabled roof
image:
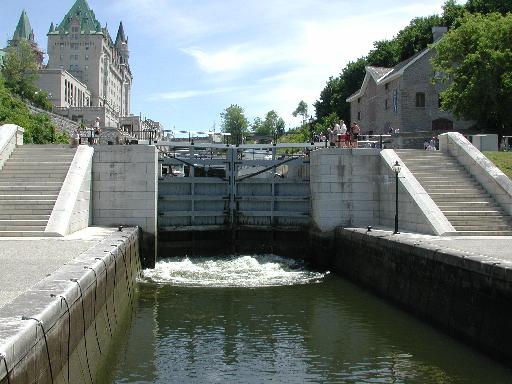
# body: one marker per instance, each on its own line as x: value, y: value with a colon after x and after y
x: 86, y: 16
x: 384, y: 75
x: 23, y: 29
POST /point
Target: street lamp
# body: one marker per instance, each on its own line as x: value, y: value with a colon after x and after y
x: 396, y: 168
x: 311, y: 120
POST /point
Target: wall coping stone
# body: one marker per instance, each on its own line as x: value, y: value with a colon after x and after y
x: 59, y: 222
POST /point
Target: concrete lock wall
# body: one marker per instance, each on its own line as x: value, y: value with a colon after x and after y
x: 356, y: 188
x: 98, y: 289
x: 465, y: 294
x: 124, y: 184
x: 10, y: 136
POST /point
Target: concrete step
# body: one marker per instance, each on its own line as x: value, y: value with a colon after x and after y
x: 52, y: 197
x: 26, y: 204
x: 483, y: 233
x: 31, y: 178
x: 35, y: 171
x: 462, y: 197
x: 22, y: 234
x: 456, y: 190
x: 34, y: 183
x: 20, y: 166
x: 23, y: 222
x: 469, y: 205
x: 493, y: 228
x: 486, y: 213
x: 27, y: 217
x: 30, y: 190
x: 23, y: 210
x: 20, y: 228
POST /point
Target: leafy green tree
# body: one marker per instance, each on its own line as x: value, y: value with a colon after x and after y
x: 301, y: 110
x: 257, y: 126
x: 38, y: 128
x: 233, y: 121
x: 489, y: 6
x: 20, y: 69
x: 475, y: 63
x: 20, y: 75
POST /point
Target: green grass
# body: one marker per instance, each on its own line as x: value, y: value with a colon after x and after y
x: 503, y: 160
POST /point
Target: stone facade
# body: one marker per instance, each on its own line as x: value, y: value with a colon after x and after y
x: 86, y: 50
x: 403, y: 98
x: 64, y: 90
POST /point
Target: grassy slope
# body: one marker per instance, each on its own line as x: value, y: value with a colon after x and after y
x: 503, y: 161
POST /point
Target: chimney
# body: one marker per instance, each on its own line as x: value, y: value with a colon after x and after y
x: 438, y: 32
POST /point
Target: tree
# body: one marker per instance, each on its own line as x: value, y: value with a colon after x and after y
x: 38, y: 128
x: 489, y: 6
x: 301, y: 110
x: 474, y: 61
x: 257, y: 126
x: 233, y: 121
x: 20, y: 69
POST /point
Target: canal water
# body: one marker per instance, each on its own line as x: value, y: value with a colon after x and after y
x: 259, y: 319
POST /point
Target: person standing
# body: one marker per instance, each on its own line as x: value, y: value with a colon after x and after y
x: 97, y: 131
x: 356, y: 130
x: 332, y: 136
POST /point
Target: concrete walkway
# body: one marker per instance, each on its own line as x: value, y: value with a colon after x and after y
x: 494, y: 249
x: 26, y: 261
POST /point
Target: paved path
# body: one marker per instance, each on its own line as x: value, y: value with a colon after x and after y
x: 497, y: 248
x: 26, y: 261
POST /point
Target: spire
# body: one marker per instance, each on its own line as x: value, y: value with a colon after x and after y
x: 120, y: 35
x: 52, y: 28
x: 85, y: 15
x: 23, y: 29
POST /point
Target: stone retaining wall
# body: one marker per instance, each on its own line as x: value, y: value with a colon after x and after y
x: 98, y: 289
x: 469, y: 296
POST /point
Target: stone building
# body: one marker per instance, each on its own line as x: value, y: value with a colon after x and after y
x: 24, y: 32
x: 86, y: 50
x: 403, y: 98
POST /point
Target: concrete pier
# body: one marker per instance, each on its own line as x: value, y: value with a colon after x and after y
x: 65, y: 301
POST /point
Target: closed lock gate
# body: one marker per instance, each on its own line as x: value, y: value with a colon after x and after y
x: 215, y: 186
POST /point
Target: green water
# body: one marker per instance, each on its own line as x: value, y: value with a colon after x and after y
x: 323, y: 330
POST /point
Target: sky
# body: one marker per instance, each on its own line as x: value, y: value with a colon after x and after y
x: 191, y: 59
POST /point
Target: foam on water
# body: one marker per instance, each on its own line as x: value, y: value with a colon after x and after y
x: 240, y: 271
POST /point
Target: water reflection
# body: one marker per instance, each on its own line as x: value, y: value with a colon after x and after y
x: 330, y: 332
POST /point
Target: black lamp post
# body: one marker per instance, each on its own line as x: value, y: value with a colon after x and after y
x: 396, y: 168
x: 311, y: 121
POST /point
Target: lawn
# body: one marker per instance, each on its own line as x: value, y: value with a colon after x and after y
x: 503, y: 161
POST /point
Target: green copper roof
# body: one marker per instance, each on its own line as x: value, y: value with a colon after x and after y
x: 23, y: 29
x: 88, y: 22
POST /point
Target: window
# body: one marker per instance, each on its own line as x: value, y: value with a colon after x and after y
x: 86, y: 57
x: 420, y: 100
x: 358, y: 115
x: 386, y: 104
x: 439, y: 100
x: 386, y: 86
x: 358, y: 100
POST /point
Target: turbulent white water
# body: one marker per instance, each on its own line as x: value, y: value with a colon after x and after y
x: 240, y: 271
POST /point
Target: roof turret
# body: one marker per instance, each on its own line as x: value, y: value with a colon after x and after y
x: 86, y: 16
x: 23, y: 29
x: 121, y: 38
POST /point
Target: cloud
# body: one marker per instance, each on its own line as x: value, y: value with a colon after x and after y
x: 187, y: 94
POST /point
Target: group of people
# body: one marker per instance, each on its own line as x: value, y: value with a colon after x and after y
x: 90, y: 134
x: 342, y: 137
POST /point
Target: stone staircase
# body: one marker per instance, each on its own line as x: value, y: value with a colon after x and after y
x: 464, y: 202
x: 30, y: 182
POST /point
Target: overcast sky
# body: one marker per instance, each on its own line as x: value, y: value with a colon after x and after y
x: 192, y: 59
